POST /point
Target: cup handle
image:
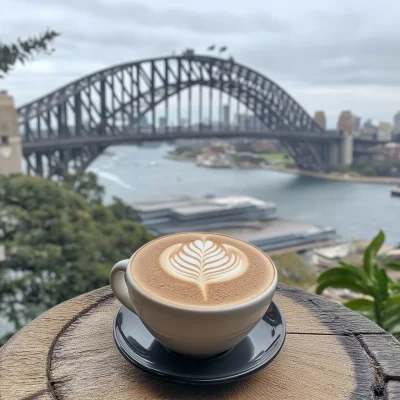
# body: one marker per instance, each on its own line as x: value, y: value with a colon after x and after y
x: 118, y: 284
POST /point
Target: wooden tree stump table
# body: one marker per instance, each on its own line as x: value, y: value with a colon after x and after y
x: 330, y: 353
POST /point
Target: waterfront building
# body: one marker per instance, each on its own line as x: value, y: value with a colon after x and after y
x: 384, y: 131
x: 10, y: 141
x: 320, y: 119
x: 221, y: 146
x: 369, y: 130
x: 246, y: 218
x: 392, y: 151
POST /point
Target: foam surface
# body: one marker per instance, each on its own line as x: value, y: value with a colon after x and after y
x: 202, y: 269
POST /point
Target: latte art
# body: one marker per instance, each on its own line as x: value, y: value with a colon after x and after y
x: 203, y: 262
x: 201, y: 269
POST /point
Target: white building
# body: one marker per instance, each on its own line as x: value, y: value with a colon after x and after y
x: 385, y: 131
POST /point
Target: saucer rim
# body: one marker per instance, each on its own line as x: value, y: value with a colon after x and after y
x: 199, y: 381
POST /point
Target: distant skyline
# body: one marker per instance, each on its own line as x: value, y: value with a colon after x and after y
x: 329, y: 56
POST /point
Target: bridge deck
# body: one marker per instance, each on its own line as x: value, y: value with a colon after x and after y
x: 76, y: 142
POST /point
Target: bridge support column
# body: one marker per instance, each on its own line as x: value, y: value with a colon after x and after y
x: 346, y: 149
x: 10, y: 141
x: 39, y: 164
x: 333, y: 154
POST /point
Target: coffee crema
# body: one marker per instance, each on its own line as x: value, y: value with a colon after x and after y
x: 202, y: 270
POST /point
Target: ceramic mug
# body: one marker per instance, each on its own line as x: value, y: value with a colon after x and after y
x: 191, y: 331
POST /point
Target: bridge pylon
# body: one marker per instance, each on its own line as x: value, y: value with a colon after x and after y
x: 10, y: 141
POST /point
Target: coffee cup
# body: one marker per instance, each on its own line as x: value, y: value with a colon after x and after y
x: 189, y: 290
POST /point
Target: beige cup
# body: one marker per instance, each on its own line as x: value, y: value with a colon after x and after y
x: 192, y: 331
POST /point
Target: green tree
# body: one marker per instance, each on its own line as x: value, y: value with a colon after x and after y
x: 24, y: 50
x: 85, y: 184
x: 59, y: 243
x: 381, y: 295
x: 123, y: 211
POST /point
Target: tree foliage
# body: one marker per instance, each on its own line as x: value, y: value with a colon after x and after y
x: 381, y: 294
x: 24, y: 50
x: 372, y: 168
x: 60, y: 240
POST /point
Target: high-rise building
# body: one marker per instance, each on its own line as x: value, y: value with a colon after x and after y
x: 385, y: 131
x: 356, y: 123
x: 226, y: 115
x: 345, y: 122
x: 319, y: 118
x: 369, y: 130
x: 10, y: 141
x: 396, y: 123
x: 241, y: 120
x: 143, y: 123
x: 162, y: 122
x: 253, y: 122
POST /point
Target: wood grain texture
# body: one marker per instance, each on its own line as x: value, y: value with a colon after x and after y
x: 393, y: 390
x: 333, y: 318
x: 24, y: 359
x: 388, y: 355
x: 69, y: 353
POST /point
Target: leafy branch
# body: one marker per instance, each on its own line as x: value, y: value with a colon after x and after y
x: 381, y: 295
x: 24, y: 50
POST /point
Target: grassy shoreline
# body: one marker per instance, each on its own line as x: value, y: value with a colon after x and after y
x: 177, y: 157
x: 385, y: 180
x: 333, y: 176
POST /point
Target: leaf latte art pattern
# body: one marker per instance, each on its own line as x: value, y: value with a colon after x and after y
x: 203, y: 262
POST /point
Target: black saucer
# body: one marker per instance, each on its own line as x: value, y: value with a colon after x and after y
x: 256, y: 351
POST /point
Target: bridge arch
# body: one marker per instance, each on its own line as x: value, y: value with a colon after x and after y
x: 77, y: 121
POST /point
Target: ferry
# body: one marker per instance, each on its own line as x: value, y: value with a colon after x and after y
x: 396, y: 191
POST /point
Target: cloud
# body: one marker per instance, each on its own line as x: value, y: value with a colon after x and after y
x: 144, y: 16
x: 303, y: 47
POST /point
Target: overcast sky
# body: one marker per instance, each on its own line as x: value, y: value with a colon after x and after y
x: 330, y: 55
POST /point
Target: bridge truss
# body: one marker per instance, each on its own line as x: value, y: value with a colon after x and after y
x: 74, y: 124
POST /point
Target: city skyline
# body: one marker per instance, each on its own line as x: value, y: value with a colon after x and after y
x: 298, y: 46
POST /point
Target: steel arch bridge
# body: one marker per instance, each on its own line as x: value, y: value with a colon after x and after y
x: 74, y: 124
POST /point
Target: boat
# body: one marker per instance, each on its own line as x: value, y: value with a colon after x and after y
x: 396, y: 191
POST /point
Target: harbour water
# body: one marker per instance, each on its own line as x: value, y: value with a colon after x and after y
x: 354, y: 210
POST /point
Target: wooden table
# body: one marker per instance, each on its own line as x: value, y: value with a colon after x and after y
x: 330, y: 353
